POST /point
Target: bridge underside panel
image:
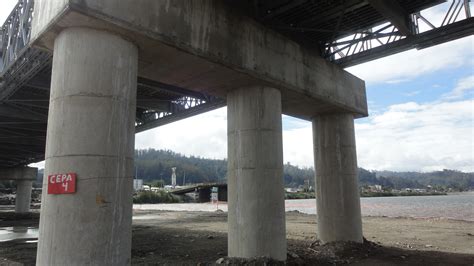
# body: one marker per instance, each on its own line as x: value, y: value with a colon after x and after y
x: 212, y: 49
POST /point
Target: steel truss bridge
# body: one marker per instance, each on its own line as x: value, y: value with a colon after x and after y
x: 345, y: 32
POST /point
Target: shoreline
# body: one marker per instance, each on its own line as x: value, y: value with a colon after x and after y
x: 190, y: 237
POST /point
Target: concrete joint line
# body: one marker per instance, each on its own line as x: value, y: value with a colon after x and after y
x: 114, y: 98
x: 88, y: 155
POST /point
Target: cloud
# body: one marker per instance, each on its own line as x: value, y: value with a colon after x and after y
x: 413, y: 63
x: 203, y: 135
x: 464, y: 86
x: 412, y: 136
x: 298, y: 145
x: 405, y: 137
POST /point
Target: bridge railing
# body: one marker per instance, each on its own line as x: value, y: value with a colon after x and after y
x: 15, y: 33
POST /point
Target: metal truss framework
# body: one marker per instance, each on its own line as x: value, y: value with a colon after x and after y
x: 351, y: 32
x: 394, y: 37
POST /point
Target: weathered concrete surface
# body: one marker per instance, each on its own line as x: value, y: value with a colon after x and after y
x: 23, y: 196
x: 256, y: 205
x: 91, y: 133
x: 337, y: 192
x: 19, y: 173
x: 209, y: 47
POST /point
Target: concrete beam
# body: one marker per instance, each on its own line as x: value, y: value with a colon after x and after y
x: 19, y: 173
x: 207, y: 46
x: 395, y: 13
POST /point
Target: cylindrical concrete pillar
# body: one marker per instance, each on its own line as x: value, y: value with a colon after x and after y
x: 23, y: 196
x: 337, y: 192
x: 256, y: 218
x: 90, y: 133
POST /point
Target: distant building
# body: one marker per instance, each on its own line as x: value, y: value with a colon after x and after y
x: 374, y: 188
x: 137, y: 184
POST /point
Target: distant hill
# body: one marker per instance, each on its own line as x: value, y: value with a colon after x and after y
x: 153, y: 165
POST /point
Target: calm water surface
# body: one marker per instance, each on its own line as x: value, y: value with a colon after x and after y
x: 455, y: 206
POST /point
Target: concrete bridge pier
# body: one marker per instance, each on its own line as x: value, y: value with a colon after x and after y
x: 23, y: 177
x: 337, y: 192
x: 90, y: 133
x: 256, y: 218
x: 23, y: 196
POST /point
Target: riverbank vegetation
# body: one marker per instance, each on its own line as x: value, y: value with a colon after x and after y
x: 155, y: 197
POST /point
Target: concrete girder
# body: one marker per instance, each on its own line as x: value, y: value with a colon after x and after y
x: 19, y: 173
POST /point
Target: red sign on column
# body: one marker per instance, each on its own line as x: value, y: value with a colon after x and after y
x: 62, y: 183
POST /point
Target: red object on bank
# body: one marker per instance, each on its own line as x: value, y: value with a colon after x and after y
x: 62, y: 183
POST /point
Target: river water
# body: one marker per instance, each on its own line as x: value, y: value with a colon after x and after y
x: 454, y: 206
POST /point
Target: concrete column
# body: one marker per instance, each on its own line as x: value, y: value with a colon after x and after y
x: 24, y: 177
x: 256, y: 219
x: 337, y: 192
x: 90, y: 133
x: 23, y: 196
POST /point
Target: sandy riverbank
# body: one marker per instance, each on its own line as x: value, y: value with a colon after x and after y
x: 167, y: 237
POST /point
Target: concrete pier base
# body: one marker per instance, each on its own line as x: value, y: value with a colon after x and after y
x: 337, y: 192
x: 90, y: 133
x: 256, y: 219
x: 23, y: 196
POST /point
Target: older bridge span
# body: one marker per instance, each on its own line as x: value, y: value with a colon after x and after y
x: 78, y: 78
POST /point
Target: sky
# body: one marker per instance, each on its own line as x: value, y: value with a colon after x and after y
x: 421, y: 114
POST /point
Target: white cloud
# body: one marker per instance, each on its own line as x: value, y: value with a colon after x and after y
x: 413, y: 63
x: 298, y: 145
x: 425, y: 137
x: 463, y: 87
x: 203, y: 135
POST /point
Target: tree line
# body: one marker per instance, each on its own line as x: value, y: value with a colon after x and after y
x: 154, y: 166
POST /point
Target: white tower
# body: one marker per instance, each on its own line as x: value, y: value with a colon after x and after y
x: 173, y: 177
